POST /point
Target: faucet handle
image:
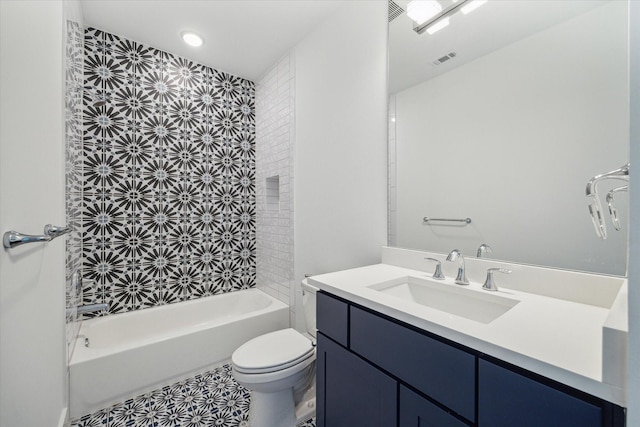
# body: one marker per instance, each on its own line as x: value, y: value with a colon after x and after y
x: 438, y: 273
x: 489, y: 284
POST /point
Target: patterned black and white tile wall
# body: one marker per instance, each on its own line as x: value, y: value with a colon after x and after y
x: 168, y: 201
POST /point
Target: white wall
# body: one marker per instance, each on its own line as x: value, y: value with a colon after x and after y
x: 392, y: 173
x: 33, y: 384
x: 493, y: 139
x: 340, y: 153
x: 320, y: 128
x: 633, y: 418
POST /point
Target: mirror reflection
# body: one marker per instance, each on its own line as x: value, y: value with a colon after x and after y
x: 503, y: 116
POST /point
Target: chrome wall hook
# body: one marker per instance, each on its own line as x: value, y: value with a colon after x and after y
x: 595, y: 206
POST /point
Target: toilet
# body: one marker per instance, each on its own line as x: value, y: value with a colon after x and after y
x: 279, y: 370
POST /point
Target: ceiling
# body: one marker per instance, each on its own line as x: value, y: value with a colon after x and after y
x: 492, y: 26
x: 246, y: 37
x: 242, y: 37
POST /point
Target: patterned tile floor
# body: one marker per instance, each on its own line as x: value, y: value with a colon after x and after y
x: 213, y: 398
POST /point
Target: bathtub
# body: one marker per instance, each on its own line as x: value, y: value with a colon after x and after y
x: 135, y: 352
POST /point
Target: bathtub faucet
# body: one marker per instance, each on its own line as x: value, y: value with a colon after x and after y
x: 92, y: 308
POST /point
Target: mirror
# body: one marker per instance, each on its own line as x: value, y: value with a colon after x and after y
x: 502, y: 117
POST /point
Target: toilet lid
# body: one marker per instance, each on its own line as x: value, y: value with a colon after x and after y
x: 271, y: 352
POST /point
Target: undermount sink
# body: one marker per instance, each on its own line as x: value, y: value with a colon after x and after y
x: 479, y: 306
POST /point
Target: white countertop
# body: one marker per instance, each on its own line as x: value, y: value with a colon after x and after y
x: 557, y: 338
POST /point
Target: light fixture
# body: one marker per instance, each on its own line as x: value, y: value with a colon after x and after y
x: 430, y: 16
x: 472, y: 6
x: 421, y: 11
x: 191, y: 38
x: 438, y: 25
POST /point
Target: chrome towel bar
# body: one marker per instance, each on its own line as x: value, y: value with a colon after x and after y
x: 12, y: 239
x: 465, y: 220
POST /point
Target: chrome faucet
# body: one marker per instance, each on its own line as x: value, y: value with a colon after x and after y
x: 461, y: 278
x: 489, y: 284
x: 437, y: 274
x: 92, y: 308
x: 484, y: 248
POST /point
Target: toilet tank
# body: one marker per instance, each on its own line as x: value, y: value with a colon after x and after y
x: 309, y: 306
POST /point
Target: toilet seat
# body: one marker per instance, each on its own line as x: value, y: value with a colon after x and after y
x: 272, y: 352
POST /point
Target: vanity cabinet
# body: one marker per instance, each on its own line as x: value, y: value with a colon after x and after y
x: 416, y: 411
x: 377, y: 371
x: 354, y: 393
x: 506, y: 398
x: 440, y: 371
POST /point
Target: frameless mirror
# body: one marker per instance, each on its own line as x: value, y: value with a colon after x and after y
x: 503, y: 116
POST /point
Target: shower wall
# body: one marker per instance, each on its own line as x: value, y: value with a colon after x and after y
x: 168, y: 165
x: 275, y: 127
x: 73, y: 81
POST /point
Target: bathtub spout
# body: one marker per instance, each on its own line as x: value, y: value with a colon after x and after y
x: 92, y: 308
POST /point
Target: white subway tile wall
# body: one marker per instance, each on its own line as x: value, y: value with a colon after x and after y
x: 275, y: 131
x: 74, y: 65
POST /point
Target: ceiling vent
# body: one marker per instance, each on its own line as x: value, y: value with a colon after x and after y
x: 394, y: 10
x: 444, y: 59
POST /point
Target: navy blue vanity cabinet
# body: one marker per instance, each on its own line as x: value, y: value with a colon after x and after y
x: 351, y: 392
x: 332, y: 318
x: 416, y: 411
x: 438, y: 370
x: 373, y: 370
x: 507, y: 398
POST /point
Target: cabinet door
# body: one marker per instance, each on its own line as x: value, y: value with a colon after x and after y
x: 351, y: 392
x: 507, y: 399
x: 416, y: 411
x: 438, y: 370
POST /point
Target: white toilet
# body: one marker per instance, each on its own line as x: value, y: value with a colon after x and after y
x: 279, y: 369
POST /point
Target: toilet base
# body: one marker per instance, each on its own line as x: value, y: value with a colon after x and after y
x: 306, y: 403
x: 305, y: 410
x: 272, y: 409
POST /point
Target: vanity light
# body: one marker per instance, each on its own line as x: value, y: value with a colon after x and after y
x: 438, y: 25
x: 472, y: 6
x: 421, y: 11
x: 192, y: 39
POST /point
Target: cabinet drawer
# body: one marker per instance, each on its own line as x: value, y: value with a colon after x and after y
x: 351, y: 392
x: 443, y: 372
x: 332, y: 317
x: 416, y: 411
x: 506, y: 399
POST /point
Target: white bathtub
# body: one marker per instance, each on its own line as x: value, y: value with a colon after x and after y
x: 135, y: 352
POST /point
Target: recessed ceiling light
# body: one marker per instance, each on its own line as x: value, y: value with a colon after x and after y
x: 192, y: 39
